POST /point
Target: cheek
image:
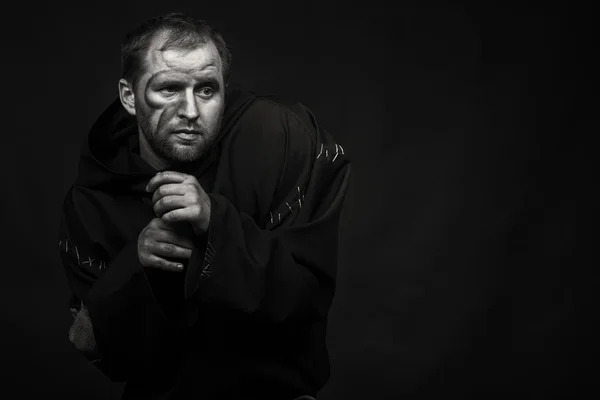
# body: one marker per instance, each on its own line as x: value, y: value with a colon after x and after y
x: 160, y: 110
x: 166, y: 114
x: 149, y: 118
x: 212, y: 110
x: 156, y: 101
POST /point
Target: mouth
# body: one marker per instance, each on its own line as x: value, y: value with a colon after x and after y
x: 187, y: 134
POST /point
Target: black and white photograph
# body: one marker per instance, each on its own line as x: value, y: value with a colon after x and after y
x: 308, y: 200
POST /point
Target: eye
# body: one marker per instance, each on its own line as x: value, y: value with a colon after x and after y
x: 168, y: 90
x: 206, y: 91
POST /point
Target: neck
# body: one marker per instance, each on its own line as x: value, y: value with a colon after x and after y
x: 149, y: 156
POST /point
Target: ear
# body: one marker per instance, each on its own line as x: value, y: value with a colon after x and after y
x: 127, y: 96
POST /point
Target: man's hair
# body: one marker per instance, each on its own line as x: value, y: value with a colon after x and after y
x: 181, y: 31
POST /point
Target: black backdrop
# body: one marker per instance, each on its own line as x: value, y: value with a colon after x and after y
x: 459, y: 272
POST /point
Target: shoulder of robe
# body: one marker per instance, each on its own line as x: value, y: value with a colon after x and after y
x: 270, y: 122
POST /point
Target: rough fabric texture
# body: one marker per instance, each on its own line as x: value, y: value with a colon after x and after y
x: 249, y: 314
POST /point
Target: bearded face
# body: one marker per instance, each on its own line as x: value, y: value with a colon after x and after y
x: 179, y: 103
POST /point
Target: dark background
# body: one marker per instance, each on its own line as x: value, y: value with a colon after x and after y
x: 460, y: 273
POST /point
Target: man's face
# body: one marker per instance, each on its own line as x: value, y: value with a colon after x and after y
x: 179, y: 101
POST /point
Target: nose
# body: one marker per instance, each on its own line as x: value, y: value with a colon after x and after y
x: 188, y: 108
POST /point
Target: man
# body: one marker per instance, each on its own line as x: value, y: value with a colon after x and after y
x: 200, y: 236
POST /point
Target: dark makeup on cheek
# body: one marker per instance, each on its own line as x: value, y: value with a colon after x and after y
x: 166, y: 111
x: 150, y: 84
x: 167, y: 115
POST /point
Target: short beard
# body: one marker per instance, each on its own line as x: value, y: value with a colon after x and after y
x: 163, y: 149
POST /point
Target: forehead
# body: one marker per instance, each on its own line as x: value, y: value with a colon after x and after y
x: 198, y: 60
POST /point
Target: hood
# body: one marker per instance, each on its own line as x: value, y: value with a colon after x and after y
x: 110, y: 156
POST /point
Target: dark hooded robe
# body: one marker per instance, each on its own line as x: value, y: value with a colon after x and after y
x: 247, y: 317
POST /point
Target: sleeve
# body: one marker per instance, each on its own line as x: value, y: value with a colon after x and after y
x: 279, y: 266
x: 113, y: 303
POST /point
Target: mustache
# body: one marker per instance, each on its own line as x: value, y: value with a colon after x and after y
x: 194, y: 127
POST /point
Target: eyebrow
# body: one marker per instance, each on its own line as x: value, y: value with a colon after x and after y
x: 171, y: 76
x: 211, y: 63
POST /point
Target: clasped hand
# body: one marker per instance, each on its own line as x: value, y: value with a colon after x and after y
x: 178, y: 201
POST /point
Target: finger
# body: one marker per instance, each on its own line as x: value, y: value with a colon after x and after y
x: 162, y: 225
x: 188, y: 214
x: 168, y: 189
x: 165, y: 177
x: 179, y: 228
x: 169, y: 250
x: 169, y: 203
x: 160, y: 263
x: 175, y: 238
